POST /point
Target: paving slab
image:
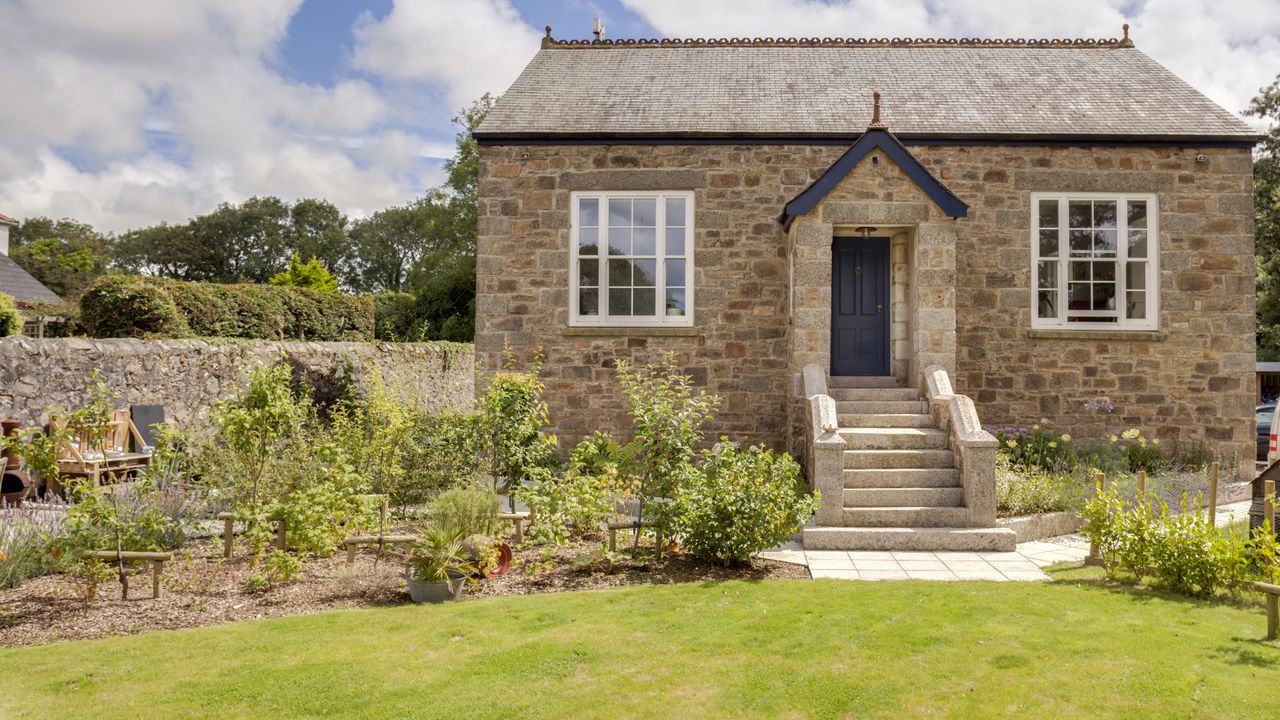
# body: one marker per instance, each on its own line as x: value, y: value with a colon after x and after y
x: 1022, y: 565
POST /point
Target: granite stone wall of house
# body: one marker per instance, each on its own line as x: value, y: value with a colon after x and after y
x: 189, y: 376
x: 968, y: 289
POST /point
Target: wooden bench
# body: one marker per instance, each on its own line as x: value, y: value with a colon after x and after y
x: 229, y: 529
x: 157, y: 559
x: 355, y: 541
x: 632, y: 524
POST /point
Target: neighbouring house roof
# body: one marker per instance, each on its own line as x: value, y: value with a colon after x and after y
x: 18, y: 282
x: 6, y: 220
x: 875, y: 137
x: 821, y: 89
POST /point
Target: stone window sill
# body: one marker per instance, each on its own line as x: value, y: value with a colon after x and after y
x: 629, y: 331
x: 1112, y: 335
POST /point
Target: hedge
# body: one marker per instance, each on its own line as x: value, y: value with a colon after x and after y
x: 264, y: 312
x: 126, y: 306
x: 394, y: 319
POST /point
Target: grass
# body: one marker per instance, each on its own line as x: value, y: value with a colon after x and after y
x: 1079, y: 647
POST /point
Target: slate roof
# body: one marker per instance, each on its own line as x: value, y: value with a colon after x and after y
x: 18, y: 282
x: 932, y: 89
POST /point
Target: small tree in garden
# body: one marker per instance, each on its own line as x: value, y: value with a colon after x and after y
x: 667, y: 417
x: 267, y: 414
x: 512, y: 416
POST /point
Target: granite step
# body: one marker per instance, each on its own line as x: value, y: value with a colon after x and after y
x: 881, y: 407
x: 915, y: 516
x: 902, y: 478
x: 904, y: 497
x: 884, y: 420
x: 910, y: 538
x: 882, y: 394
x: 885, y: 459
x: 859, y: 438
x: 863, y: 381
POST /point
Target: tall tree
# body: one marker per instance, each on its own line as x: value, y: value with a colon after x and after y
x: 389, y: 244
x: 1266, y: 212
x: 249, y: 242
x: 64, y: 255
x: 444, y: 280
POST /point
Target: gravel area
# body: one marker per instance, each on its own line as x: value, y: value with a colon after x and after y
x: 202, y: 588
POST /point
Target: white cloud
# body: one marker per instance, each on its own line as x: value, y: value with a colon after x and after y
x: 464, y: 47
x: 1227, y: 50
x: 90, y: 86
x: 93, y: 81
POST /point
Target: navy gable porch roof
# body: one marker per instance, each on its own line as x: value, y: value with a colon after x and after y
x: 873, y: 138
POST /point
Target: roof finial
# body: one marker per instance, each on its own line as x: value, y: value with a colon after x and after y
x: 1126, y: 42
x: 876, y: 124
x: 546, y: 41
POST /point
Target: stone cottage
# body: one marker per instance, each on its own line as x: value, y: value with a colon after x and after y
x: 864, y: 245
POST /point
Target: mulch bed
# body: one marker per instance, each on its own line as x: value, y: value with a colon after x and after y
x: 203, y: 588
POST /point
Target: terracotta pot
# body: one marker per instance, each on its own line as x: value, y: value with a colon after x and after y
x: 10, y: 426
x: 13, y: 488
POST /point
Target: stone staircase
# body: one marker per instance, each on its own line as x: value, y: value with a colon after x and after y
x: 902, y: 485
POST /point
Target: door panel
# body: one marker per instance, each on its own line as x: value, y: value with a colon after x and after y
x: 860, y: 306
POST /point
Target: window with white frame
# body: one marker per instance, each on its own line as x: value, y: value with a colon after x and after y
x: 632, y: 258
x: 1094, y: 261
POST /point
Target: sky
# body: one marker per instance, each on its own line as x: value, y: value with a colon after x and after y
x: 125, y: 113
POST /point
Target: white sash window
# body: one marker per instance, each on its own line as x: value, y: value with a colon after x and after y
x: 631, y: 259
x: 1094, y: 259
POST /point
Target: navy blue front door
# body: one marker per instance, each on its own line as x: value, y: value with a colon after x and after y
x: 860, y: 306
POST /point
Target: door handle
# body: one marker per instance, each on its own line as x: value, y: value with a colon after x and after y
x: 879, y: 308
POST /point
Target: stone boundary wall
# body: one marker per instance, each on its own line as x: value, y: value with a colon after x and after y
x: 189, y: 376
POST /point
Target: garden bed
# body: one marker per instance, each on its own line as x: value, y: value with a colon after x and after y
x: 203, y: 588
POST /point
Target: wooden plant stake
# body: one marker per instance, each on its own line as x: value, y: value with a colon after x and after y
x: 280, y: 535
x: 1213, y: 492
x: 1142, y: 483
x: 228, y: 532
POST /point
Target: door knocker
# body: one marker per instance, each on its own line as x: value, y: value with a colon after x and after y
x: 857, y: 270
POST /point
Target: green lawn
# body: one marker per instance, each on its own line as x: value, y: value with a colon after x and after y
x: 1074, y: 648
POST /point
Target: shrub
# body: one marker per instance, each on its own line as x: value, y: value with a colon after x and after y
x: 737, y: 503
x: 1036, y: 448
x: 25, y: 536
x: 265, y: 312
x: 439, y: 555
x: 587, y: 495
x: 442, y: 452
x: 1185, y: 553
x: 124, y: 306
x: 1030, y: 490
x: 10, y: 320
x: 465, y: 511
x: 311, y: 274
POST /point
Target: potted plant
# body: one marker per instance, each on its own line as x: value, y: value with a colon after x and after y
x: 438, y: 566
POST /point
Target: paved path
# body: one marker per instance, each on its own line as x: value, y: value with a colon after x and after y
x: 1024, y: 564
